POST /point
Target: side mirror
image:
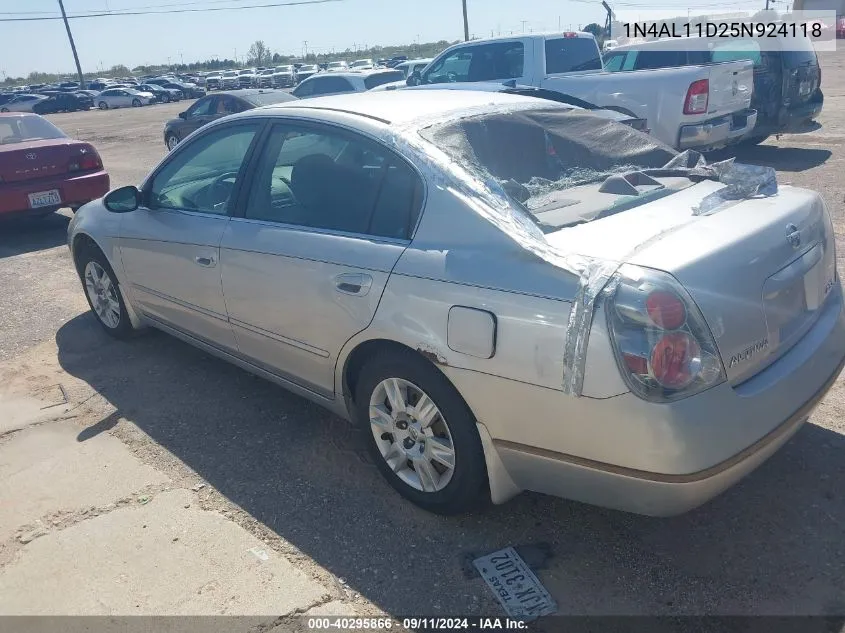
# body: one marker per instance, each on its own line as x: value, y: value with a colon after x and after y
x: 123, y: 200
x: 183, y: 115
x: 415, y: 79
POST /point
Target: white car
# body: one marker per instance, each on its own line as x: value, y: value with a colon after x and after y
x: 123, y: 98
x: 22, y: 103
x: 609, y: 45
x: 408, y: 68
x: 341, y: 82
x: 363, y: 64
x: 335, y: 67
x: 230, y: 80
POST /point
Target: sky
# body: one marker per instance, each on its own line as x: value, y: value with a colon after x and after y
x: 172, y: 38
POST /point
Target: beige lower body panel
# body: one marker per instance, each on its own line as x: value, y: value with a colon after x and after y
x: 642, y: 493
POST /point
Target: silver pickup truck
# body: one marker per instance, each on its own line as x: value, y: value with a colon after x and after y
x: 701, y: 107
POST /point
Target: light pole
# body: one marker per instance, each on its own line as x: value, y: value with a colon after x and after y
x: 72, y: 46
x: 466, y: 22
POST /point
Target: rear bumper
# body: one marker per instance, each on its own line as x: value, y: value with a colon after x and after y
x: 74, y: 192
x: 717, y: 132
x: 654, y: 459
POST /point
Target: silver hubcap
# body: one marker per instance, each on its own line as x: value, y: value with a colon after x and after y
x: 103, y: 295
x: 412, y: 435
x: 171, y: 142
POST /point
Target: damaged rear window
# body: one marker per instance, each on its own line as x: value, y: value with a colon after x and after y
x: 544, y: 158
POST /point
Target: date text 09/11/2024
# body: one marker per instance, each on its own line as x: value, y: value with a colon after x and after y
x: 722, y: 29
x: 418, y: 623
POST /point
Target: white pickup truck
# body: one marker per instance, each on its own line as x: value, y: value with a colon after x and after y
x: 702, y: 107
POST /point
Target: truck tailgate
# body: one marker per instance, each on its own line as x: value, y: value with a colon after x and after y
x: 731, y: 87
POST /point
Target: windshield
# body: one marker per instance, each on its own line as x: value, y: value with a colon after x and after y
x: 544, y: 156
x: 798, y: 51
x: 19, y: 129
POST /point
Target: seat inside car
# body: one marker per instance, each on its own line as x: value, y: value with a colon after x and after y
x: 332, y: 196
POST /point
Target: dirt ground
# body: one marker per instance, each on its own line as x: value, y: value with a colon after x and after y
x: 204, y: 444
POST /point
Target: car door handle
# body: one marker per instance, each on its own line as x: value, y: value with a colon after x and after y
x: 353, y: 283
x: 207, y: 262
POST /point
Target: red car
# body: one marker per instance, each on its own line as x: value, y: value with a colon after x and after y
x: 840, y: 28
x: 42, y: 170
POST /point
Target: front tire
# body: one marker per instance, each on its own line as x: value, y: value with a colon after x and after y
x: 165, y: 99
x: 136, y: 103
x: 171, y: 142
x: 4, y: 109
x: 103, y: 105
x: 421, y: 433
x: 102, y: 291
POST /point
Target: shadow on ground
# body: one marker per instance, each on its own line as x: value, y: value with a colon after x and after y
x: 31, y: 234
x: 773, y: 544
x: 789, y: 159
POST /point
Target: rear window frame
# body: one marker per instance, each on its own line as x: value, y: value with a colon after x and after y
x: 578, y: 68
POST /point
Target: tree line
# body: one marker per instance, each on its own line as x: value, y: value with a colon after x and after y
x: 259, y: 55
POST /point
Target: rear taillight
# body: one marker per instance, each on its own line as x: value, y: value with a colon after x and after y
x: 697, y: 97
x: 87, y: 160
x: 663, y: 346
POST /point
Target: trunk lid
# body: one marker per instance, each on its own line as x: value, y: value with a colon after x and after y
x: 759, y: 269
x: 38, y: 159
x: 731, y: 87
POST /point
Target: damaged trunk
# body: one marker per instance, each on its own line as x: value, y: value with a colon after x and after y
x: 759, y: 269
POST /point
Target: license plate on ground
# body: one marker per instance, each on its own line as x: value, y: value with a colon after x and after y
x: 514, y: 584
x: 44, y: 199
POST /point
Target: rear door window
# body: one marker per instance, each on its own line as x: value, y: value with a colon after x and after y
x: 485, y: 62
x: 571, y: 54
x: 652, y: 59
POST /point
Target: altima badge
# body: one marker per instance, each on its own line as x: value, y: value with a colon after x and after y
x: 793, y: 235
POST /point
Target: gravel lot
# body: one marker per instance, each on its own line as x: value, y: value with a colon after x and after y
x: 298, y: 478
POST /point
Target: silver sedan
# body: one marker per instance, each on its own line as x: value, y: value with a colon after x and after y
x: 506, y: 294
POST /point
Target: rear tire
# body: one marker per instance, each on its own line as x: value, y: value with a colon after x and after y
x: 4, y: 109
x: 165, y: 99
x: 450, y: 490
x: 102, y: 291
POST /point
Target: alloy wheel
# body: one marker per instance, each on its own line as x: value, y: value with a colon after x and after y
x: 412, y: 435
x: 103, y: 294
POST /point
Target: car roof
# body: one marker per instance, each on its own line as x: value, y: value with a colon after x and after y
x: 548, y: 35
x: 404, y: 106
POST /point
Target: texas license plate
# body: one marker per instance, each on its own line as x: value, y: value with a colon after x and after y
x: 514, y: 584
x: 44, y: 198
